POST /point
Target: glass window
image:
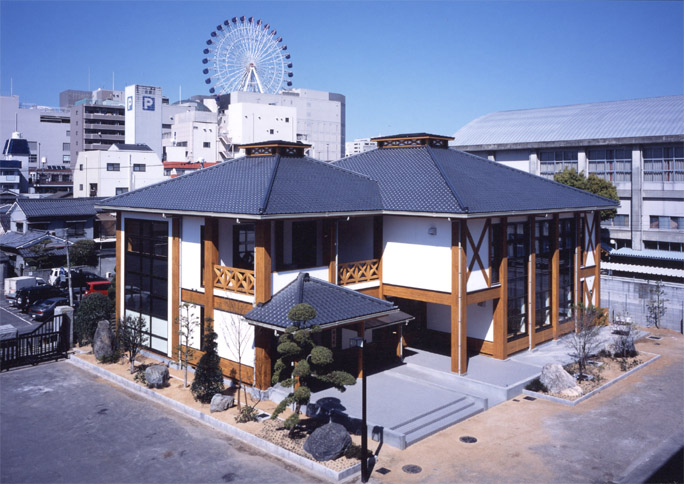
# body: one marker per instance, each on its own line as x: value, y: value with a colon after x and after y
x: 613, y: 164
x: 518, y: 257
x: 33, y: 158
x: 543, y: 248
x: 113, y: 166
x: 66, y: 158
x: 566, y: 250
x: 552, y: 162
x: 66, y: 147
x: 617, y: 221
x: 243, y: 246
x: 206, y: 144
x: 139, y: 167
x: 664, y: 163
x: 495, y: 251
x: 120, y: 190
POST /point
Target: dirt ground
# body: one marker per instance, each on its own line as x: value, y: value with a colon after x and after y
x: 510, y: 434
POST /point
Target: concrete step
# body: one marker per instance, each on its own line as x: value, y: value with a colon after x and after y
x: 429, y: 423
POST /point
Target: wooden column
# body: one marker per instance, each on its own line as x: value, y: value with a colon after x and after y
x: 175, y: 283
x: 120, y: 277
x: 577, y: 293
x: 360, y: 332
x: 555, y: 269
x: 532, y: 296
x: 377, y: 250
x: 459, y: 307
x: 501, y: 313
x: 210, y: 258
x: 330, y: 249
x: 597, y: 259
x: 263, y: 338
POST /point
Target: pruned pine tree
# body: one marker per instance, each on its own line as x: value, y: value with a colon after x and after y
x: 208, y: 375
x: 301, y: 363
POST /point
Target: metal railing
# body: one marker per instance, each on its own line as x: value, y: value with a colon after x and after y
x: 234, y: 280
x: 359, y: 271
x: 48, y: 341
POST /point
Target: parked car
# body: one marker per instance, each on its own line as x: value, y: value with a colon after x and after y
x: 57, y: 276
x: 29, y: 295
x: 97, y: 286
x: 45, y: 310
x: 79, y: 278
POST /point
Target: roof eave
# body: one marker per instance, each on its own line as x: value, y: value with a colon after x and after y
x: 342, y: 322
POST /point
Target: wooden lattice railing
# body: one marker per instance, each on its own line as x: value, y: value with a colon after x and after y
x: 234, y: 279
x: 360, y: 271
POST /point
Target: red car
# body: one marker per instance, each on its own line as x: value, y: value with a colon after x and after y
x: 97, y: 286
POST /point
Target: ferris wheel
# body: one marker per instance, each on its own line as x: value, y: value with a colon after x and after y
x: 246, y: 55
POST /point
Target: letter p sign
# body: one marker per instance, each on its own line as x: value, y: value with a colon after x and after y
x: 148, y: 103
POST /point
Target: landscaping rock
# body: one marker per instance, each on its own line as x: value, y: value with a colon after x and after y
x: 157, y: 376
x: 220, y: 403
x: 103, y: 341
x: 328, y: 442
x: 557, y: 380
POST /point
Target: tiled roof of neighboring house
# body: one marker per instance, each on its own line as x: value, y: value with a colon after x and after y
x: 259, y: 185
x: 15, y: 240
x: 648, y: 254
x: 130, y: 147
x: 52, y: 250
x: 438, y: 180
x: 333, y: 304
x: 61, y: 207
x: 635, y: 118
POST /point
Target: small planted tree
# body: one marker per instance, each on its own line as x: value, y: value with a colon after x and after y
x: 208, y: 376
x: 655, y: 307
x: 132, y: 337
x: 94, y: 308
x: 301, y: 363
x: 186, y: 323
x: 584, y: 341
x: 237, y: 337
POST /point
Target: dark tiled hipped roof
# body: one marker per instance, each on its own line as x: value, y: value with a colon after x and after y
x: 437, y: 180
x: 62, y: 207
x: 259, y: 185
x: 333, y: 304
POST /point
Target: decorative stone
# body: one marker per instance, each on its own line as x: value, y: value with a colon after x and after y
x: 157, y: 376
x: 557, y: 380
x: 328, y: 442
x: 221, y: 403
x: 103, y: 341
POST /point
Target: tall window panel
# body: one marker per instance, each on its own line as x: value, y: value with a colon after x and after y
x: 518, y: 239
x: 664, y: 163
x: 551, y: 162
x: 613, y: 164
x: 146, y: 273
x: 566, y: 280
x: 543, y: 248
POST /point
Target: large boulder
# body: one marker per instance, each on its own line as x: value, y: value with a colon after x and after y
x: 103, y: 341
x: 557, y: 380
x: 328, y: 442
x: 157, y: 376
x: 220, y: 403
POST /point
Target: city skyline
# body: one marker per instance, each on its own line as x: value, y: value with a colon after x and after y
x: 403, y: 66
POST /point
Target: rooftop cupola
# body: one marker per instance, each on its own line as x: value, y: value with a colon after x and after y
x: 413, y: 140
x: 275, y: 147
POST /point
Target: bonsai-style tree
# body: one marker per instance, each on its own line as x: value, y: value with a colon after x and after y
x: 592, y: 184
x: 208, y: 376
x: 584, y: 341
x: 301, y: 363
x: 94, y: 308
x: 132, y: 338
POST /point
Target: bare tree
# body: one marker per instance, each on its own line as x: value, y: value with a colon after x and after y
x: 186, y: 324
x: 237, y: 338
x: 132, y: 337
x: 584, y: 341
x: 656, y: 304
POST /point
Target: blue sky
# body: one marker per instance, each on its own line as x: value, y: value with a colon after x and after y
x: 403, y: 66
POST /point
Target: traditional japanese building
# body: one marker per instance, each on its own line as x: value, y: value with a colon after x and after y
x: 485, y: 258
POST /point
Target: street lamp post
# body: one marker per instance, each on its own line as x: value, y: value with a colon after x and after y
x: 359, y: 343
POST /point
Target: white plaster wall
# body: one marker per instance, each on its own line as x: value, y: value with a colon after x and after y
x: 355, y: 239
x: 281, y: 279
x: 589, y: 282
x: 191, y: 254
x: 231, y: 328
x: 588, y: 236
x: 480, y: 321
x: 477, y: 280
x: 225, y: 242
x: 518, y: 159
x: 412, y: 257
x: 439, y: 317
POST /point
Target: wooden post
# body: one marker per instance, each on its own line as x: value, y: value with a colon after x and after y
x: 459, y: 305
x: 577, y: 293
x: 501, y: 313
x: 597, y: 259
x: 330, y: 249
x: 263, y: 338
x: 210, y: 258
x: 532, y: 296
x: 120, y: 278
x: 360, y: 332
x: 377, y: 250
x: 175, y: 283
x: 555, y: 284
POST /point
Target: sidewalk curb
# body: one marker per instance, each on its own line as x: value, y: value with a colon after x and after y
x: 572, y: 403
x: 245, y: 437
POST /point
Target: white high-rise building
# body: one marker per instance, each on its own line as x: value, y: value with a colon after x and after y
x: 252, y: 123
x: 320, y: 119
x: 144, y: 116
x: 359, y: 145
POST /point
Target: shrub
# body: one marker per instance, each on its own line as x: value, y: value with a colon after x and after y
x: 83, y: 253
x: 93, y: 309
x: 536, y: 386
x: 208, y: 376
x: 247, y: 414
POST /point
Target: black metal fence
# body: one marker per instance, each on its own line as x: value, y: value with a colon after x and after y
x: 49, y: 341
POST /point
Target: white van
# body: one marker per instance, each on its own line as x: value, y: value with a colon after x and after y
x: 13, y: 284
